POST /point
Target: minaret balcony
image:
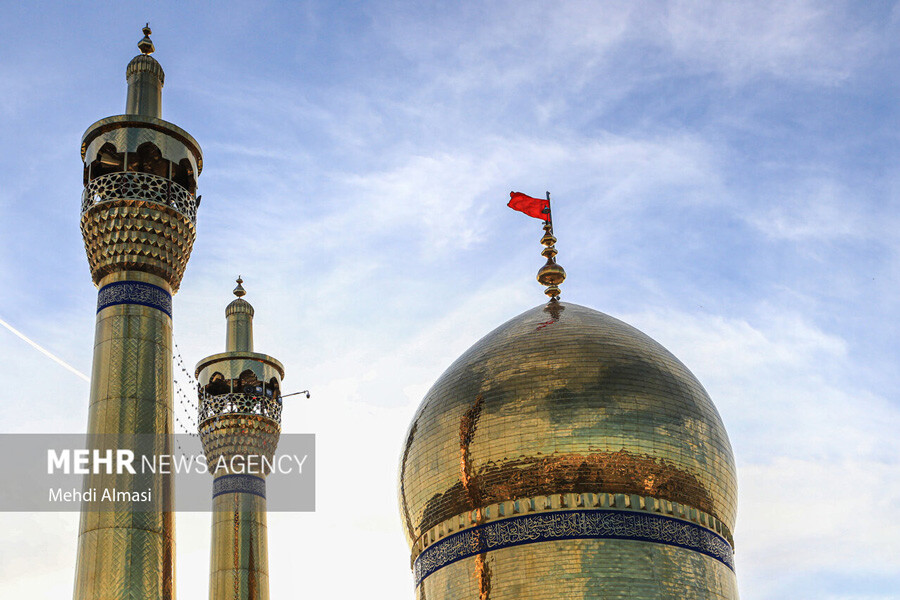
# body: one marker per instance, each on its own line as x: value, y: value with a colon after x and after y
x: 236, y: 403
x: 130, y: 185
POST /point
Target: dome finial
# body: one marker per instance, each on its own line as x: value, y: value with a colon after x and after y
x: 551, y: 274
x: 146, y: 44
x: 239, y: 290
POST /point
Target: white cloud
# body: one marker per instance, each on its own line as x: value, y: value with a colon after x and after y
x: 816, y: 450
x: 789, y: 503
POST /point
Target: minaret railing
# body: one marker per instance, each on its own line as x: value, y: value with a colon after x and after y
x: 236, y: 403
x: 130, y: 185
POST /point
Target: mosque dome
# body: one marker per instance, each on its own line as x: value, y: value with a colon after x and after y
x: 568, y: 454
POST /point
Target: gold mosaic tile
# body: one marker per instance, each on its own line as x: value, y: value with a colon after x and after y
x: 566, y: 400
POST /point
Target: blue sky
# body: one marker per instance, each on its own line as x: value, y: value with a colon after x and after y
x: 724, y: 178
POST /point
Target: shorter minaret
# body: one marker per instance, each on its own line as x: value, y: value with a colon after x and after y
x: 239, y: 424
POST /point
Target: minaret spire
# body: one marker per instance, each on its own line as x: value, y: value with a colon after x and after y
x: 239, y: 315
x: 145, y: 80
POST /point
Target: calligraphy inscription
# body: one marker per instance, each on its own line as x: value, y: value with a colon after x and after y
x: 239, y: 484
x: 575, y: 524
x: 134, y: 292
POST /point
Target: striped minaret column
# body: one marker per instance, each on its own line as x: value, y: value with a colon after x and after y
x: 138, y: 214
x: 239, y: 423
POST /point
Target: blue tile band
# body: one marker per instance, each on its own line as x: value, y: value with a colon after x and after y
x: 134, y: 292
x: 572, y: 525
x: 239, y: 484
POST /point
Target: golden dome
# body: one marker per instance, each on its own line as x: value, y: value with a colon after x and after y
x: 565, y: 408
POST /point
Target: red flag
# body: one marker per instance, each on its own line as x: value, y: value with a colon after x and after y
x: 533, y: 207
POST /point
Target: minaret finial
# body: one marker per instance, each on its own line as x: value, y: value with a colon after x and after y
x: 239, y: 290
x: 146, y: 44
x: 551, y: 274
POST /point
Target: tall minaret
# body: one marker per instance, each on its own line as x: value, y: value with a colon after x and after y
x: 239, y: 423
x: 138, y: 213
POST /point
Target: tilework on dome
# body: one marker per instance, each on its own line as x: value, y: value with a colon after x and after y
x: 581, y: 524
x: 564, y: 399
x: 584, y: 568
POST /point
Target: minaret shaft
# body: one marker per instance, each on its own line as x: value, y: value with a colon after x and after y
x: 239, y: 562
x: 239, y: 556
x: 125, y: 553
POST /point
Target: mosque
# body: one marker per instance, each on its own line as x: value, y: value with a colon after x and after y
x: 565, y: 454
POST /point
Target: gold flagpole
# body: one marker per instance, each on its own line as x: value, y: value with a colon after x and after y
x: 551, y: 274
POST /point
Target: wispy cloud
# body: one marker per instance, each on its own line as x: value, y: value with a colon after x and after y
x: 819, y: 210
x: 357, y: 165
x: 795, y: 39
